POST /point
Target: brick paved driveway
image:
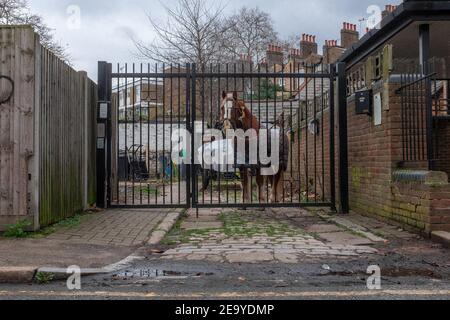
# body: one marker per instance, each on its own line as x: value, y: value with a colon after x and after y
x: 120, y: 227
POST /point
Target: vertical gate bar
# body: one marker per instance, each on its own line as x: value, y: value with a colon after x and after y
x: 322, y: 107
x: 219, y: 175
x: 299, y: 137
x: 306, y: 136
x: 402, y: 103
x: 189, y: 129
x: 227, y: 81
x: 203, y: 131
x: 343, y: 138
x: 125, y: 98
x: 157, y: 132
x: 234, y: 182
x: 118, y: 137
x: 291, y: 115
x: 315, y: 135
x: 179, y: 128
x: 133, y: 110
x: 194, y: 115
x: 149, y: 113
x: 164, y: 164
x: 275, y: 86
x: 410, y: 123
x: 251, y: 111
x: 332, y: 138
x: 283, y: 130
x: 109, y: 135
x: 267, y: 121
x: 212, y: 126
x: 141, y: 142
x: 171, y: 132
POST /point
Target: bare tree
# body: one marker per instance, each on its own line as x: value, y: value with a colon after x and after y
x: 192, y: 33
x: 249, y: 32
x: 17, y: 12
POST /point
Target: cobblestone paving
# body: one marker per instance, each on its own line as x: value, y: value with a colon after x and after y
x: 253, y: 237
x: 120, y: 227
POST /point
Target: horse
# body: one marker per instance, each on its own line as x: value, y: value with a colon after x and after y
x: 235, y: 115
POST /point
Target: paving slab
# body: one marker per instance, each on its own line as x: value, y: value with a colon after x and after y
x: 323, y: 228
x: 345, y: 238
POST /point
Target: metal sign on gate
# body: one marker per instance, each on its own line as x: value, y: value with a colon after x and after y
x: 235, y: 135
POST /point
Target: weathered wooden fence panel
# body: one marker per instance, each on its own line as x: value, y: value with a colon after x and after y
x: 16, y: 123
x: 47, y: 134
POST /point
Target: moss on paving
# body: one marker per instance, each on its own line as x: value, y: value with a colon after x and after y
x: 236, y: 225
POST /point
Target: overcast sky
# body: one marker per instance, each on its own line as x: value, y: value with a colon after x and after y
x: 106, y: 25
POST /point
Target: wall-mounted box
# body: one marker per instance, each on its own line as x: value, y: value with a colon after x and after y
x: 364, y: 102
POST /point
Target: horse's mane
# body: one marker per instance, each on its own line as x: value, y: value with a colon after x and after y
x: 250, y: 121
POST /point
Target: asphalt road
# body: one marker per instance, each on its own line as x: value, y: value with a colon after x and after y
x: 153, y: 279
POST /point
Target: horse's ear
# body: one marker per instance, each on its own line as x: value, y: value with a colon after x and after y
x: 235, y: 96
x: 224, y: 94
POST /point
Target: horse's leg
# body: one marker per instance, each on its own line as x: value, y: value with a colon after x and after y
x: 276, y: 186
x: 261, y: 181
x: 244, y: 185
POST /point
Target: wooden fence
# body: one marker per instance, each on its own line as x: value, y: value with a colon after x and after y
x: 47, y: 134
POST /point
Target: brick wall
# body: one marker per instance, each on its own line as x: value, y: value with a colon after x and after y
x: 371, y: 151
x: 422, y: 206
x: 442, y: 143
x: 375, y: 153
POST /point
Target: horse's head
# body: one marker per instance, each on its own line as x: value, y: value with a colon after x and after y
x: 232, y: 111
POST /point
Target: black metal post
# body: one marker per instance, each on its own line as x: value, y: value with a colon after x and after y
x: 194, y: 201
x: 343, y: 138
x: 190, y: 130
x: 424, y: 48
x: 332, y: 139
x: 103, y: 134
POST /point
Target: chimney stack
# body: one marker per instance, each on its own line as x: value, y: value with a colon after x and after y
x: 332, y: 51
x: 274, y: 55
x: 349, y: 35
x: 388, y: 9
x: 308, y: 46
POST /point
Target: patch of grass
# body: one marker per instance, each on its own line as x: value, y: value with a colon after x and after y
x: 44, y: 277
x: 17, y: 230
x: 147, y: 190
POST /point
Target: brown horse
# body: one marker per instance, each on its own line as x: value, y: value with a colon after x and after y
x: 235, y: 115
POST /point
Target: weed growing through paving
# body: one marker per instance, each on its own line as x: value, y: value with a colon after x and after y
x: 44, y: 277
x: 17, y: 230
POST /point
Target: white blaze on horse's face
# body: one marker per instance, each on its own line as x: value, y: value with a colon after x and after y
x: 228, y: 107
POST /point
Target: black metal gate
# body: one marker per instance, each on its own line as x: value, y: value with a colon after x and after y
x: 147, y: 112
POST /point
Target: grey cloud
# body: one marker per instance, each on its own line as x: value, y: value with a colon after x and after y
x: 108, y: 25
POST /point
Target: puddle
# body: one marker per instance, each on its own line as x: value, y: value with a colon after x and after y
x: 157, y: 274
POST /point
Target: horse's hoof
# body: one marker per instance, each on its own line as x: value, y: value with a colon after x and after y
x: 242, y: 209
